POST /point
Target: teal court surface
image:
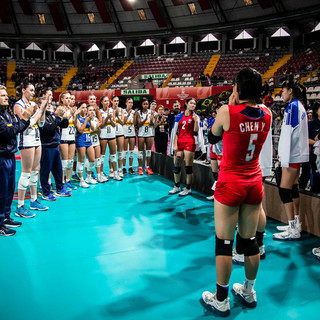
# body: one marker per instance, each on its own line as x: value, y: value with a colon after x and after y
x: 128, y: 250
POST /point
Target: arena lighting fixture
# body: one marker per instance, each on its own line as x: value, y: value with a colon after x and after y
x: 192, y: 8
x: 142, y: 14
x: 248, y: 2
x: 91, y: 17
x: 41, y: 18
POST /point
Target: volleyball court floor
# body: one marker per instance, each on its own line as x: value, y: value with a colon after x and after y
x: 128, y: 250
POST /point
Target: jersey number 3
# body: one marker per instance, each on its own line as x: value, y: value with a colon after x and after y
x: 251, y: 147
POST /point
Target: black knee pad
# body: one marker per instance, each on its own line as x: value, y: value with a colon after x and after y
x: 189, y: 170
x: 176, y: 169
x: 215, y: 176
x: 249, y: 246
x: 295, y: 191
x: 285, y: 195
x: 224, y: 247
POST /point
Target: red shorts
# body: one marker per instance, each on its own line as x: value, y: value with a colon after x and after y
x: 214, y: 156
x: 186, y: 146
x: 235, y: 193
x: 294, y: 165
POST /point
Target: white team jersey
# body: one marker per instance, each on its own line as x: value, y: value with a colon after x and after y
x: 146, y: 130
x: 265, y: 159
x: 31, y: 136
x: 107, y: 132
x: 128, y: 127
x: 94, y: 134
x: 294, y: 137
x: 69, y: 133
x: 217, y: 148
x: 119, y: 127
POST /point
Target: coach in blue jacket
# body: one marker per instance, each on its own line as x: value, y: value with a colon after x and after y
x: 10, y: 126
x: 50, y: 157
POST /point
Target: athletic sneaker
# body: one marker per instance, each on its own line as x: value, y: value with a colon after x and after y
x: 100, y: 179
x: 104, y: 177
x: 316, y: 253
x: 10, y: 223
x: 131, y: 171
x: 36, y: 205
x: 124, y: 171
x: 149, y: 171
x: 175, y: 190
x: 210, y: 198
x: 117, y: 177
x: 247, y: 299
x: 285, y: 228
x: 209, y: 302
x: 69, y: 185
x: 83, y: 184
x: 49, y: 197
x: 289, y: 235
x: 140, y: 171
x: 184, y: 192
x: 23, y: 212
x: 239, y: 258
x: 111, y: 173
x: 120, y: 173
x: 6, y: 232
x: 75, y: 177
x: 63, y: 193
x: 91, y: 180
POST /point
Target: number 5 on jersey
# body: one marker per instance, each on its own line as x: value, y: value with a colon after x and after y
x: 251, y: 147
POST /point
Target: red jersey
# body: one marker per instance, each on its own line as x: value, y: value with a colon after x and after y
x: 243, y: 142
x: 185, y: 129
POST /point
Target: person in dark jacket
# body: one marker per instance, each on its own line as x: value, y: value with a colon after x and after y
x: 10, y: 126
x: 50, y: 157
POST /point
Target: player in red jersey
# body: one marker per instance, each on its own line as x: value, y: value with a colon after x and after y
x: 238, y: 195
x: 183, y: 145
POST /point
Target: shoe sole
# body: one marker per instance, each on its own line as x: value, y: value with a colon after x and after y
x: 65, y: 196
x: 7, y: 235
x: 11, y: 226
x: 239, y: 263
x: 241, y: 300
x: 184, y: 195
x: 48, y: 199
x: 21, y: 216
x: 172, y: 193
x: 289, y: 239
x: 34, y: 208
x: 217, y: 312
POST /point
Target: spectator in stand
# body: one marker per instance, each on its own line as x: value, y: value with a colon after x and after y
x: 310, y: 114
x: 166, y: 112
x: 161, y: 131
x: 268, y: 100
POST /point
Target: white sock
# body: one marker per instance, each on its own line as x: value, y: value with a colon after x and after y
x: 292, y: 224
x: 33, y: 197
x: 147, y: 167
x: 297, y: 220
x: 49, y: 181
x: 81, y: 179
x: 20, y: 203
x: 74, y: 173
x: 248, y: 285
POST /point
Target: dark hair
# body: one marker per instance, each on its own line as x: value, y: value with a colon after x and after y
x: 114, y: 97
x: 79, y: 104
x: 24, y: 85
x: 153, y: 101
x: 100, y: 101
x: 298, y: 90
x: 144, y: 99
x: 315, y: 108
x: 189, y: 99
x: 129, y: 98
x: 249, y: 84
